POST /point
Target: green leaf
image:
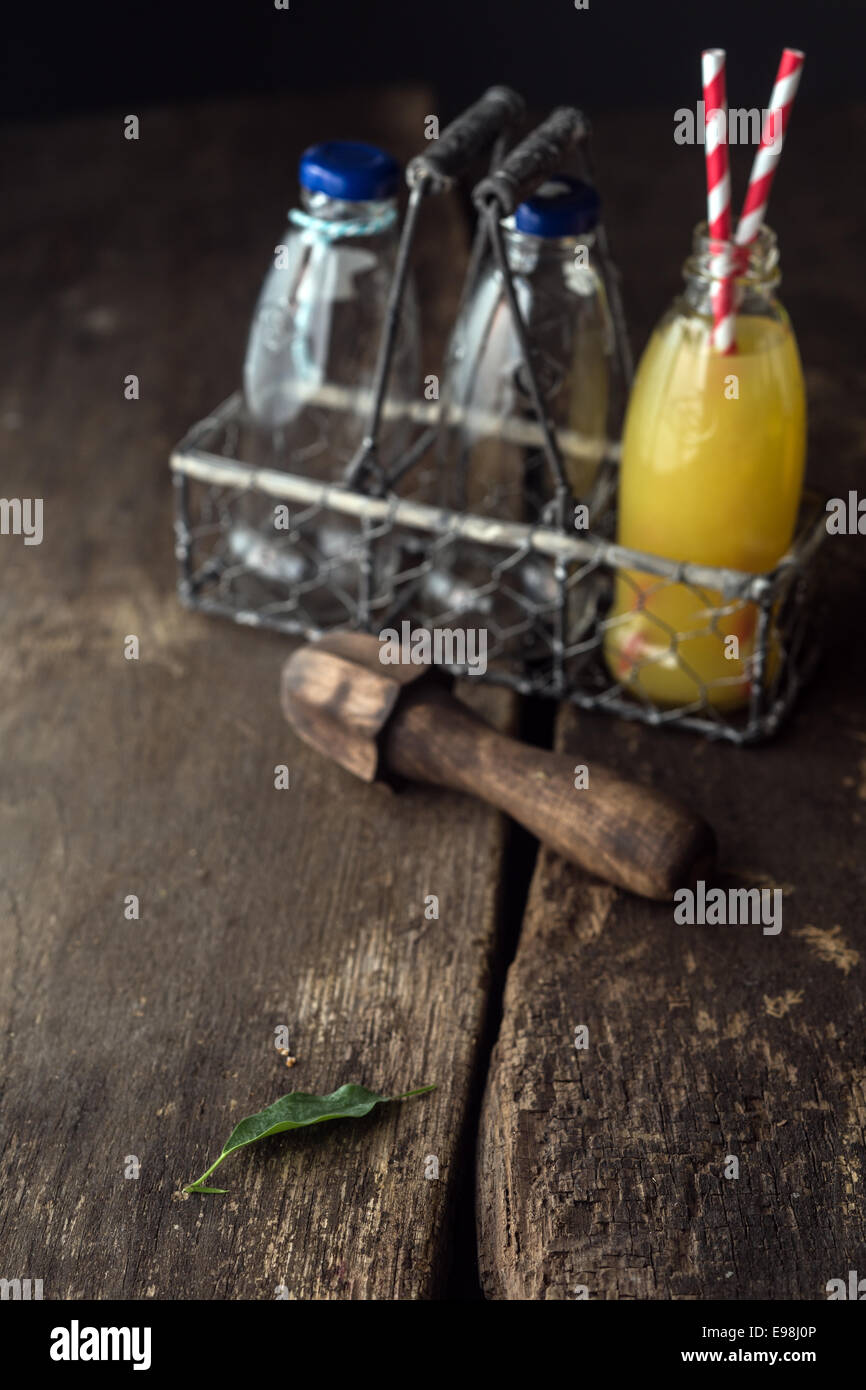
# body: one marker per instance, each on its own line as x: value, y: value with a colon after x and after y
x: 296, y: 1111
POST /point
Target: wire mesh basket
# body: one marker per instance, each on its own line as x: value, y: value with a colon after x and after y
x: 374, y: 552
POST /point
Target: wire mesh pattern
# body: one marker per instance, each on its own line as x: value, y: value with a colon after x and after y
x: 565, y: 612
x: 542, y: 596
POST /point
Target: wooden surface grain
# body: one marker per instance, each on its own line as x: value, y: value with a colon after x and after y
x: 601, y: 1172
x: 259, y: 907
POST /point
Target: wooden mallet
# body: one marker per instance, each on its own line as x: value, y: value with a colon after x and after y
x: 394, y: 722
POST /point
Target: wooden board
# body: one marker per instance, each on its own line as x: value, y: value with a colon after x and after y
x: 149, y: 1039
x: 602, y: 1171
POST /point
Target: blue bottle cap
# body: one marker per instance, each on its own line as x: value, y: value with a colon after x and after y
x: 348, y: 170
x: 563, y: 206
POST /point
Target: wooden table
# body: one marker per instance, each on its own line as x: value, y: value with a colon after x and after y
x: 147, y: 1039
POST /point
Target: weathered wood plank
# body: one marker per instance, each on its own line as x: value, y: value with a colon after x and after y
x: 156, y: 777
x: 605, y: 1168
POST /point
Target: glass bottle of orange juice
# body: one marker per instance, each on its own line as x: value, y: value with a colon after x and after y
x: 711, y: 473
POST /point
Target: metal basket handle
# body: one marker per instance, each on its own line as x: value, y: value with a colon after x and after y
x: 467, y: 136
x: 533, y: 160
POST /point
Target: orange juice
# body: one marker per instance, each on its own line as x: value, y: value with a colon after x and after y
x: 712, y: 472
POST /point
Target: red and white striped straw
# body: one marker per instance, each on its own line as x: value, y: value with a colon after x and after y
x: 718, y: 197
x: 770, y: 148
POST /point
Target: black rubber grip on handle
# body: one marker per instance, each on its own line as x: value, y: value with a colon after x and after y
x: 533, y: 160
x: 469, y: 135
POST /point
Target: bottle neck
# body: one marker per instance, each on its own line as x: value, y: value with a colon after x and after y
x: 754, y: 269
x: 526, y: 251
x: 327, y: 209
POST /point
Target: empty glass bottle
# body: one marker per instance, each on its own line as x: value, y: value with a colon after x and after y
x: 312, y: 351
x: 492, y: 456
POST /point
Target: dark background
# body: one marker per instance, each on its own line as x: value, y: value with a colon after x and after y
x: 59, y: 58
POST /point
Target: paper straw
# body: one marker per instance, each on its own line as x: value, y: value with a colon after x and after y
x: 718, y: 198
x: 770, y: 148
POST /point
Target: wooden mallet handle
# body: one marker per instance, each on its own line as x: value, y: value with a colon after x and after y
x: 639, y: 839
